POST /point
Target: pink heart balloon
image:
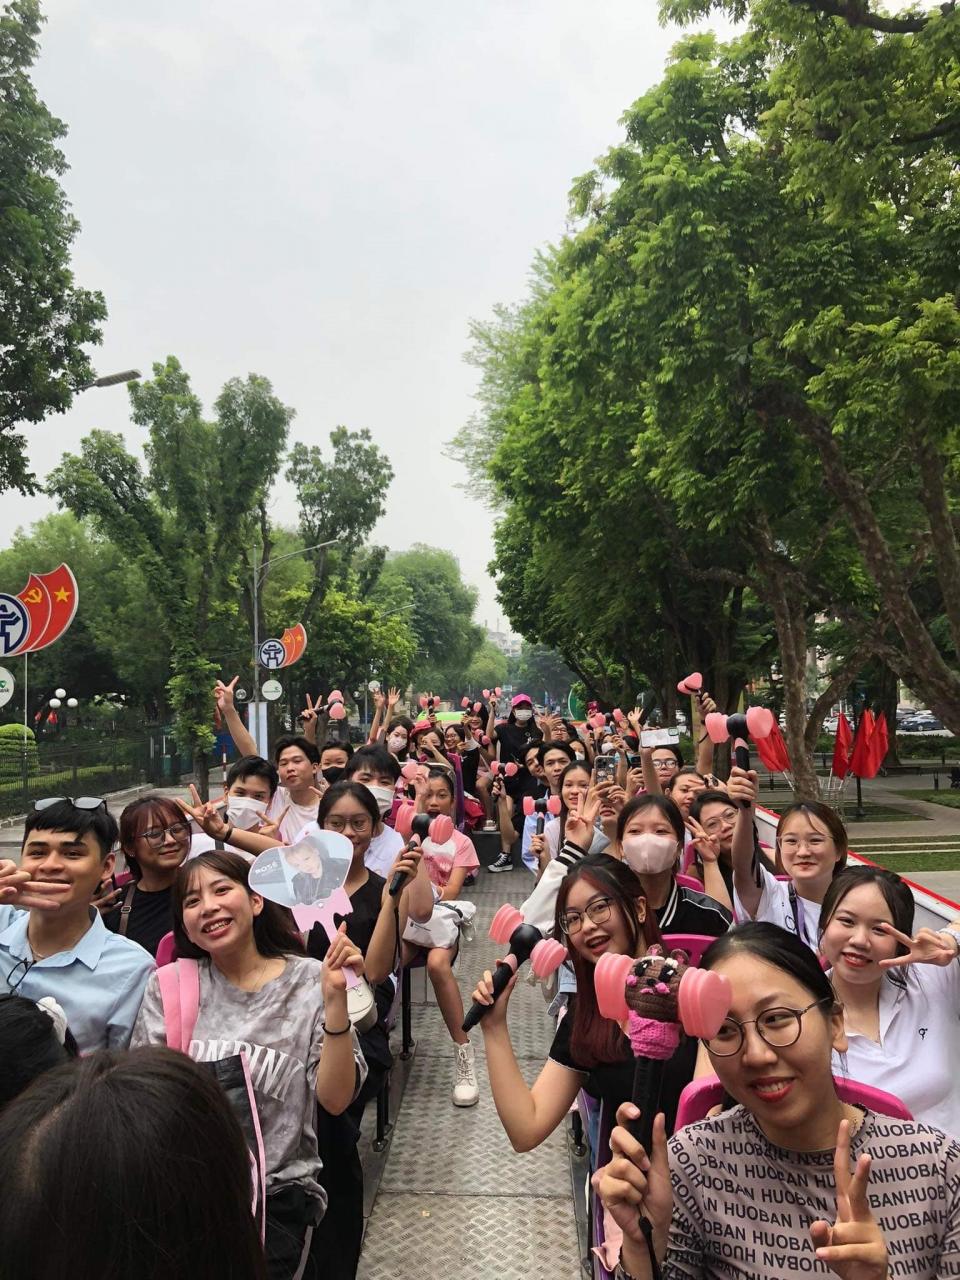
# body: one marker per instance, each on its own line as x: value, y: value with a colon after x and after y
x: 716, y: 726
x: 335, y: 696
x: 338, y: 711
x: 464, y: 702
x: 424, y: 701
x: 498, y: 691
x: 598, y: 721
x: 486, y: 693
x: 759, y: 722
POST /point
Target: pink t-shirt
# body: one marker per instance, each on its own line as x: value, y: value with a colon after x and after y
x: 458, y: 851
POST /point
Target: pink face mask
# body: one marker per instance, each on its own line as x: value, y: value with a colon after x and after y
x: 648, y: 854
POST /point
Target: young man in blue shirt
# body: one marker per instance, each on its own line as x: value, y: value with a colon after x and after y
x: 52, y: 942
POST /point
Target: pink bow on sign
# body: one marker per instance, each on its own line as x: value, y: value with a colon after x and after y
x: 337, y: 904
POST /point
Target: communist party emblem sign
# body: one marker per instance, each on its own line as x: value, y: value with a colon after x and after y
x: 284, y: 652
x: 39, y: 614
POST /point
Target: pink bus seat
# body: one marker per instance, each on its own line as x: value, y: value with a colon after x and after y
x: 706, y: 1092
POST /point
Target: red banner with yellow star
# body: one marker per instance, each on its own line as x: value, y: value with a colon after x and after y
x: 51, y: 601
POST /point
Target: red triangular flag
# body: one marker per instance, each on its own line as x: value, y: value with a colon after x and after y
x: 860, y: 757
x: 772, y: 750
x: 879, y: 744
x: 841, y: 748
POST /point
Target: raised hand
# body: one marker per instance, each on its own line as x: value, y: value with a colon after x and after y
x: 854, y: 1247
x: 208, y: 816
x: 742, y: 785
x: 706, y: 845
x: 223, y: 695
x: 581, y: 818
x: 393, y: 697
x: 106, y: 897
x: 270, y: 827
x: 635, y: 1184
x: 927, y: 947
x: 483, y: 994
x: 407, y: 863
x: 311, y: 711
x: 634, y: 782
x: 18, y: 890
x: 378, y: 699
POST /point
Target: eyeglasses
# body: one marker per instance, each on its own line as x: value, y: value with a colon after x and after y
x: 571, y: 922
x: 793, y: 843
x: 779, y: 1028
x: 359, y: 824
x: 666, y: 764
x: 14, y: 983
x: 156, y: 835
x: 725, y: 819
x: 80, y: 802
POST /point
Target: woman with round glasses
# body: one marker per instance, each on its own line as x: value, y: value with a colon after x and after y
x: 791, y: 1181
x: 155, y: 839
x: 600, y: 907
x: 811, y: 850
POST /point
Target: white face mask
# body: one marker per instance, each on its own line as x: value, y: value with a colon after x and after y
x: 523, y: 715
x: 647, y: 854
x: 383, y: 797
x: 245, y: 812
x: 397, y: 742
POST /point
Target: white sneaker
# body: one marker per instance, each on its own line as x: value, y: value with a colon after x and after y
x: 466, y: 1091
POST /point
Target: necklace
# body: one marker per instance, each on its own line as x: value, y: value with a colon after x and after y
x: 257, y: 980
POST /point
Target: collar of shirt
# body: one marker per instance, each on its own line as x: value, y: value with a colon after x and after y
x: 88, y: 950
x: 669, y: 909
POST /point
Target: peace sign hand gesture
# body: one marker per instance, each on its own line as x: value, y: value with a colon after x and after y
x: 223, y: 694
x: 708, y: 846
x: 854, y: 1247
x: 926, y: 948
x: 208, y: 816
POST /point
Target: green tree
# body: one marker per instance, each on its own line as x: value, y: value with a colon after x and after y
x: 185, y: 529
x: 425, y: 583
x: 487, y: 670
x: 340, y: 499
x: 46, y: 321
x: 538, y: 667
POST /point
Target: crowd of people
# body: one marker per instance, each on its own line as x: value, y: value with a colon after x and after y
x: 185, y: 1056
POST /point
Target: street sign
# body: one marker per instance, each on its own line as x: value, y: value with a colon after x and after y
x: 7, y: 686
x: 271, y: 690
x: 272, y: 655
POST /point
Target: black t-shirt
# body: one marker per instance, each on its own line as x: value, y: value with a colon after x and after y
x: 612, y: 1083
x: 361, y: 923
x: 150, y: 918
x: 469, y: 768
x: 512, y: 738
x: 687, y: 911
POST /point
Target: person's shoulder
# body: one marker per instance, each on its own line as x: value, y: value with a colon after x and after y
x: 10, y: 915
x: 913, y: 1136
x: 389, y: 838
x: 704, y: 1135
x: 126, y: 953
x: 303, y: 967
x: 703, y: 901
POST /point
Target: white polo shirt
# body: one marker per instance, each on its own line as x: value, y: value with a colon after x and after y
x: 916, y: 1059
x: 775, y: 907
x: 382, y: 852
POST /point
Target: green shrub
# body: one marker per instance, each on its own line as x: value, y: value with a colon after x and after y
x: 15, y: 740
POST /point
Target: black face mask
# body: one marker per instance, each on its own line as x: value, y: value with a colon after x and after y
x: 332, y: 775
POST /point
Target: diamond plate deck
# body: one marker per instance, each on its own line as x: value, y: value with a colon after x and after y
x: 454, y: 1199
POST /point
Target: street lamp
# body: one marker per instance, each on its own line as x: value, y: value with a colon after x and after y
x: 113, y: 379
x: 56, y: 702
x: 259, y: 577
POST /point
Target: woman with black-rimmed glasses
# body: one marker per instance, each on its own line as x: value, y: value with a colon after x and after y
x: 792, y: 1181
x: 155, y: 839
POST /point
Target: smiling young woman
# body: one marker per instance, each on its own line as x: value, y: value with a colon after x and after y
x: 900, y: 993
x: 791, y: 1181
x: 600, y: 908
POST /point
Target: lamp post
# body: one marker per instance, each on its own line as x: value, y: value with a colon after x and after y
x: 259, y: 577
x: 113, y: 379
x: 56, y: 702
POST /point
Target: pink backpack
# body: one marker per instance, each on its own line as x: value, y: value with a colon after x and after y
x: 180, y: 995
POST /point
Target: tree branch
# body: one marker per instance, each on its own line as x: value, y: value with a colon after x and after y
x: 855, y: 13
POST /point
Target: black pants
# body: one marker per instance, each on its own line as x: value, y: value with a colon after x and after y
x: 290, y: 1215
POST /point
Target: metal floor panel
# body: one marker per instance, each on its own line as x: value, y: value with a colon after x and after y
x: 436, y: 1237
x: 454, y: 1199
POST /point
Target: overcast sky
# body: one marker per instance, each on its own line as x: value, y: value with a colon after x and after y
x: 325, y: 192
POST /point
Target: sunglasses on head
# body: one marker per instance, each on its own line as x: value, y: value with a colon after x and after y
x: 79, y: 802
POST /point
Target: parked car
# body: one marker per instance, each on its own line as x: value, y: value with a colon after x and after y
x: 930, y: 726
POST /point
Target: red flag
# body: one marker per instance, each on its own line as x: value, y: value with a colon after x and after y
x: 841, y: 748
x: 61, y: 586
x: 879, y: 744
x: 772, y: 750
x: 35, y: 598
x: 860, y: 759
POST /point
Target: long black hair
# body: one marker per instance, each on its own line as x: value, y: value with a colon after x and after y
x: 273, y: 929
x: 29, y: 1045
x: 595, y: 1040
x: 126, y: 1164
x: 777, y: 947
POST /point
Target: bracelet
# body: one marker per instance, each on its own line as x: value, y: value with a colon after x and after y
x: 227, y: 835
x: 327, y: 1032
x: 701, y: 741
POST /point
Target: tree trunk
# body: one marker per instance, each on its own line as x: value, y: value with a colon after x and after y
x: 935, y: 680
x: 201, y: 772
